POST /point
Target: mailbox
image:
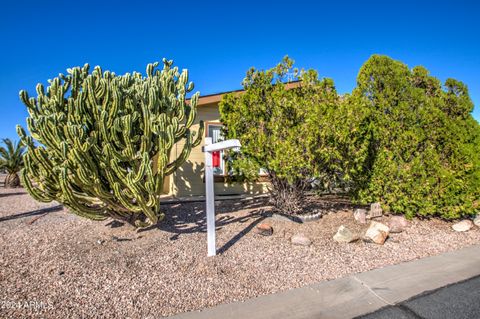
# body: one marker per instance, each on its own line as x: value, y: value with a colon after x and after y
x: 216, y: 159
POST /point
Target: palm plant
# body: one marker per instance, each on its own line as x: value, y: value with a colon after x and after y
x: 11, y: 159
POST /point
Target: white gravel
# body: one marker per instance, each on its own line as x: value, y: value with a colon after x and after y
x: 61, y: 266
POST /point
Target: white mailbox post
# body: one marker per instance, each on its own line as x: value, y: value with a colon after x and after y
x: 209, y: 189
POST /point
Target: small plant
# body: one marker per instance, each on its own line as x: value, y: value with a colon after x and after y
x: 104, y: 141
x: 11, y: 159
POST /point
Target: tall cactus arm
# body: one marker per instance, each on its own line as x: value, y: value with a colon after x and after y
x: 100, y: 143
x: 190, y: 143
x: 34, y: 191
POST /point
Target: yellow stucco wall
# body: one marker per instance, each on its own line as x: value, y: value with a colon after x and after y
x: 188, y: 179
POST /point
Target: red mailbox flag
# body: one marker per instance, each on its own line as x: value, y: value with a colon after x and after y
x: 216, y: 159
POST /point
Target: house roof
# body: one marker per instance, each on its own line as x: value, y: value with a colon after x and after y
x: 217, y: 97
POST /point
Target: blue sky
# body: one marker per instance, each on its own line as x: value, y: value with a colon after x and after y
x: 219, y: 41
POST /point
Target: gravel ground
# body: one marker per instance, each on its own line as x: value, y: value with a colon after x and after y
x: 56, y: 265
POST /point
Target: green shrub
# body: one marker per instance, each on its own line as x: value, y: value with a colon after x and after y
x: 425, y: 145
x: 298, y: 132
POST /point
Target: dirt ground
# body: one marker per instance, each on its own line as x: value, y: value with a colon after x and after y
x: 54, y: 264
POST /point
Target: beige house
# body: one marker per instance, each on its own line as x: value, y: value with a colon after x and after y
x: 188, y: 180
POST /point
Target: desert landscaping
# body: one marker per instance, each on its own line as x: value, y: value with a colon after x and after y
x: 69, y: 266
x: 159, y: 160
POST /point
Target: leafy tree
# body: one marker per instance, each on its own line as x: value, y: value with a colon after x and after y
x: 12, y: 161
x: 104, y: 141
x: 297, y: 131
x: 424, y: 153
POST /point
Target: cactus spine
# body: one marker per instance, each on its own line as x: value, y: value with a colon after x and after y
x: 100, y: 143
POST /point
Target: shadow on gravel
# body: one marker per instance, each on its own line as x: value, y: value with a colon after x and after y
x: 12, y: 194
x: 330, y: 203
x: 191, y: 217
x: 32, y: 213
x: 239, y: 236
x: 187, y: 218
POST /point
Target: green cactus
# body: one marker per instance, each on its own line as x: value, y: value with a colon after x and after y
x: 100, y: 143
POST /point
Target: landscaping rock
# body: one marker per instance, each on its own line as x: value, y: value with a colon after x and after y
x: 377, y: 233
x: 375, y: 211
x: 344, y: 235
x: 464, y: 225
x: 310, y: 217
x: 264, y: 229
x: 300, y: 240
x: 476, y: 221
x: 360, y: 215
x: 284, y: 218
x: 397, y: 224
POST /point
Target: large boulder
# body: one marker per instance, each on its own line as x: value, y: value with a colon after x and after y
x: 345, y: 235
x: 464, y: 225
x: 375, y: 211
x: 377, y: 233
x: 397, y: 224
x: 300, y: 240
x: 360, y: 215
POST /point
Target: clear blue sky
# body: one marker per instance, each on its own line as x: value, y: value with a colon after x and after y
x: 219, y: 41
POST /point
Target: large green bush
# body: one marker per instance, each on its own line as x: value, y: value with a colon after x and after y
x: 100, y: 143
x: 297, y: 132
x: 424, y: 154
x: 401, y: 138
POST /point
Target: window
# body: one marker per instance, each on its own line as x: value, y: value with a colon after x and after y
x: 215, y: 132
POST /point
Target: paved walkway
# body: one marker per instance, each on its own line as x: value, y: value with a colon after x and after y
x: 355, y: 295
